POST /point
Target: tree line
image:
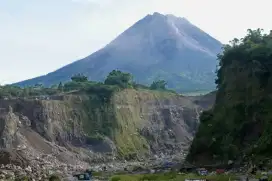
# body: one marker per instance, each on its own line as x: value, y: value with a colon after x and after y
x: 115, y: 78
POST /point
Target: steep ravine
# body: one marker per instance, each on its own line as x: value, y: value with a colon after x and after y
x: 133, y: 125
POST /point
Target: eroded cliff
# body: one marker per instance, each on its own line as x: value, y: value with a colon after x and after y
x: 132, y: 124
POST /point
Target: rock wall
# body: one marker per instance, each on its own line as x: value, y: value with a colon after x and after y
x: 132, y: 125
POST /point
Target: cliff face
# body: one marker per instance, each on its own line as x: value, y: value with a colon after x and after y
x: 132, y: 125
x: 157, y: 123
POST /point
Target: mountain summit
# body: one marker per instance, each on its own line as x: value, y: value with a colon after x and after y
x: 156, y: 47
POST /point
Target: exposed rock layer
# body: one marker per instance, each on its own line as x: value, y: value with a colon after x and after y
x: 141, y: 124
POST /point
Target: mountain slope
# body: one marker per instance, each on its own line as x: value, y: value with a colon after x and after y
x: 157, y: 46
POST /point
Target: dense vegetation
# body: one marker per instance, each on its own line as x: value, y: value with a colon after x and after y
x: 239, y: 125
x: 116, y: 80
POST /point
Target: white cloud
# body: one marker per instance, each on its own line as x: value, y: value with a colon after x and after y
x: 37, y: 37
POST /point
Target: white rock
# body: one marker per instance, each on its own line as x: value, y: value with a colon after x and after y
x: 28, y: 169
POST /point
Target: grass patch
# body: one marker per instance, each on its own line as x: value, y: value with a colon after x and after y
x: 97, y: 174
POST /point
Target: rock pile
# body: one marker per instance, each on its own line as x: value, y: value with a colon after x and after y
x: 37, y: 173
x: 12, y: 172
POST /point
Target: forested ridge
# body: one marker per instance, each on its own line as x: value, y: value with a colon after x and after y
x: 239, y: 126
x: 114, y: 81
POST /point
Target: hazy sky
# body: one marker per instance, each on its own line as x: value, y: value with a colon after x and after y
x: 39, y: 36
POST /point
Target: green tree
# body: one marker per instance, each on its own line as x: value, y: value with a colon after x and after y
x: 38, y: 85
x: 79, y: 78
x: 54, y: 86
x: 121, y: 79
x: 158, y: 85
x: 73, y: 85
x: 60, y: 87
x: 26, y: 91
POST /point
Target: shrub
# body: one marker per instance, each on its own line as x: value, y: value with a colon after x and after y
x: 54, y: 178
